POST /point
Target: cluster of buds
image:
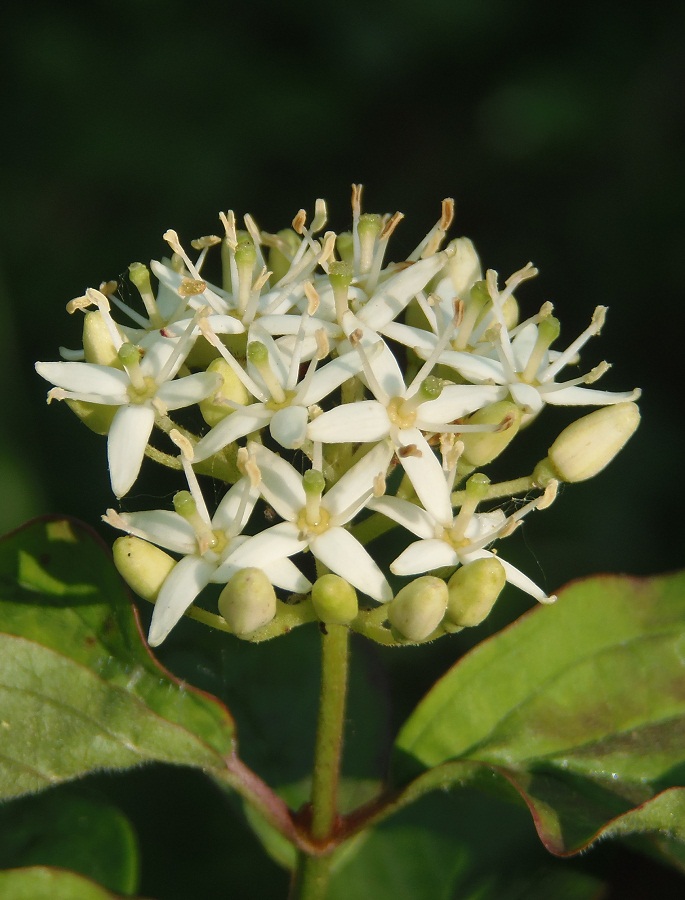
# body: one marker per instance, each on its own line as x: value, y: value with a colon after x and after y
x: 342, y: 396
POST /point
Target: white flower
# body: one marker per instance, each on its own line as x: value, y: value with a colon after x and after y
x: 207, y: 546
x: 316, y: 522
x: 141, y: 390
x: 525, y: 367
x: 399, y: 412
x: 283, y: 399
x: 457, y: 540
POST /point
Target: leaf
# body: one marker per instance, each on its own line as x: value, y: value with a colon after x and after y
x: 580, y: 707
x: 79, y: 690
x: 444, y: 846
x: 70, y: 830
x: 42, y: 883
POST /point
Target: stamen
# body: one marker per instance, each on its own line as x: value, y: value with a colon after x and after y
x: 409, y: 450
x: 548, y: 332
x: 434, y: 357
x: 476, y: 490
x: 478, y: 299
x: 379, y: 392
x: 247, y: 465
x: 595, y: 326
x: 239, y: 371
x: 255, y: 234
x: 312, y: 296
x: 431, y: 243
x: 379, y: 485
x: 356, y: 213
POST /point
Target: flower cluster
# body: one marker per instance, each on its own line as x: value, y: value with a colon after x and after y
x: 342, y: 395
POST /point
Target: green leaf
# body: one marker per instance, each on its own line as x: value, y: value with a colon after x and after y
x: 445, y: 846
x: 42, y: 883
x: 79, y: 690
x: 580, y: 707
x: 71, y: 830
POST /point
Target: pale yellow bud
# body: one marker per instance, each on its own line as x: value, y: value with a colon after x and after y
x: 334, y: 600
x: 463, y: 266
x: 418, y: 609
x: 589, y: 444
x: 481, y: 447
x: 213, y: 408
x: 248, y: 601
x: 97, y: 342
x: 143, y: 566
x: 473, y: 590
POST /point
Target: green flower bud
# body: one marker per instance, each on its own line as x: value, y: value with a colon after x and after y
x: 213, y: 408
x: 418, y: 609
x: 248, y: 601
x: 97, y: 343
x: 278, y: 260
x: 143, y: 566
x: 334, y: 600
x: 481, y: 447
x: 473, y: 590
x: 589, y: 444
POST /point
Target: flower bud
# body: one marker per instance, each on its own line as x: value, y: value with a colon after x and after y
x: 334, y: 600
x: 473, y: 590
x: 213, y: 408
x: 589, y: 444
x: 143, y: 566
x: 463, y: 267
x: 248, y: 601
x: 481, y: 447
x: 418, y: 609
x: 97, y: 341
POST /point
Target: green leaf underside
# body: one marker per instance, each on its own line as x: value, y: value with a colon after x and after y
x: 71, y: 830
x: 579, y: 706
x: 76, y: 675
x: 42, y: 883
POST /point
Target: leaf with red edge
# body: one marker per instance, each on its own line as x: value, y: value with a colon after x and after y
x: 579, y: 707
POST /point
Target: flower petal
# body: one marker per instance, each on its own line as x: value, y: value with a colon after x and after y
x: 232, y: 504
x: 580, y: 396
x: 351, y: 493
x: 188, y: 390
x: 128, y: 435
x: 425, y: 473
x: 87, y: 378
x: 424, y: 556
x: 455, y: 401
x: 281, y: 483
x: 288, y: 426
x: 344, y: 555
x: 391, y: 297
x: 364, y: 421
x: 406, y: 514
x: 162, y: 527
x: 236, y: 425
x: 181, y: 587
x: 278, y: 542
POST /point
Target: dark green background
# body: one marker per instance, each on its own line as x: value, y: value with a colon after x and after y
x: 559, y: 131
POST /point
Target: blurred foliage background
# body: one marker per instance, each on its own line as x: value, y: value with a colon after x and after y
x: 560, y: 134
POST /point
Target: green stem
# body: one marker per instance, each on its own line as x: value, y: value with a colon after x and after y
x: 312, y: 876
